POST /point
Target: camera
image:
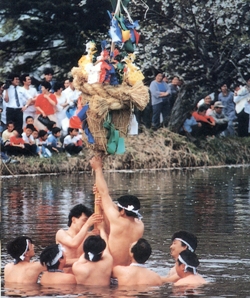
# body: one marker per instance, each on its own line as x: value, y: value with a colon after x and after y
x: 7, y: 84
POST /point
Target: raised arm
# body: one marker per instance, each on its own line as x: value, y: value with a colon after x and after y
x: 108, y: 206
x: 74, y: 242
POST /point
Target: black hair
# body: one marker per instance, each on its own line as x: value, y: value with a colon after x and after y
x: 10, y: 122
x: 42, y: 133
x: 57, y: 86
x: 28, y: 117
x: 70, y: 129
x: 30, y: 126
x: 48, y: 71
x: 141, y: 251
x: 71, y: 79
x: 202, y: 108
x: 23, y: 77
x: 190, y: 238
x: 17, y: 247
x: 55, y: 130
x: 12, y: 76
x: 48, y: 254
x: 127, y: 200
x: 94, y: 245
x: 46, y: 85
x: 190, y: 258
x: 77, y: 211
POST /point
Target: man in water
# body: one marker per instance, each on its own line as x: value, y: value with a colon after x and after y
x: 80, y: 219
x: 94, y: 267
x: 137, y: 273
x: 181, y: 241
x: 125, y: 225
x: 186, y: 267
x: 53, y: 257
x: 22, y: 270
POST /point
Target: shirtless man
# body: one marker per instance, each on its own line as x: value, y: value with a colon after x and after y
x: 136, y: 273
x: 22, y: 270
x: 94, y: 267
x: 53, y: 257
x: 80, y: 219
x: 186, y: 267
x: 125, y: 224
x: 181, y: 241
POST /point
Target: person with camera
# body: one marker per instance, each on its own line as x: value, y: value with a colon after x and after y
x: 15, y: 100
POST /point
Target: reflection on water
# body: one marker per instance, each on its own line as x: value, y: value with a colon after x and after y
x: 212, y: 203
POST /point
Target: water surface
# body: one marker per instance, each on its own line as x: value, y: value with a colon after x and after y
x: 212, y: 203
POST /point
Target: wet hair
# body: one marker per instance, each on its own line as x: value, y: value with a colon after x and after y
x: 93, y: 247
x: 17, y: 247
x: 48, y: 71
x: 141, y: 251
x: 127, y: 200
x: 30, y: 126
x: 190, y: 258
x: 190, y: 238
x: 42, y: 133
x: 46, y: 85
x: 58, y: 86
x: 202, y: 108
x: 48, y: 254
x: 55, y: 130
x: 23, y: 77
x: 28, y: 117
x: 77, y: 211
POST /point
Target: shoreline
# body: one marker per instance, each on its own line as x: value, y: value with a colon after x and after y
x: 148, y: 151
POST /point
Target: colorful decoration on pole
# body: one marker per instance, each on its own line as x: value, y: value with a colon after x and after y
x: 111, y: 84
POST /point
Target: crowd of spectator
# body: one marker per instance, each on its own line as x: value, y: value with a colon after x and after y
x: 36, y: 122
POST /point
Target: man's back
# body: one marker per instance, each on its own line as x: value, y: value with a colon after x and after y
x: 23, y: 272
x: 136, y: 275
x: 93, y: 273
x: 191, y: 280
x: 55, y: 278
x: 122, y: 234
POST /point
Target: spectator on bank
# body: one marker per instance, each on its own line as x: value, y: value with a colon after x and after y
x: 241, y: 97
x: 174, y: 89
x: 220, y: 118
x: 32, y: 94
x: 48, y: 77
x: 160, y: 97
x: 45, y: 106
x: 53, y: 142
x: 29, y: 141
x: 72, y: 142
x: 8, y: 132
x: 61, y: 103
x: 227, y: 99
x: 15, y: 146
x: 206, y: 100
x: 15, y: 99
x: 207, y: 122
x: 190, y: 127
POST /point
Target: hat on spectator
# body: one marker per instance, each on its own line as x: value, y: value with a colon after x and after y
x: 218, y: 104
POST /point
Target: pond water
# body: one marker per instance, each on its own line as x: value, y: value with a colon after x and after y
x: 212, y: 203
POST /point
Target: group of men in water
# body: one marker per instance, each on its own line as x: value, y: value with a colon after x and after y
x: 112, y: 252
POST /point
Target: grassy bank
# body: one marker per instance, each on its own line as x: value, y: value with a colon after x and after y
x: 148, y: 150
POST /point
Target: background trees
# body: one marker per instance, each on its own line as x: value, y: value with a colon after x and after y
x: 205, y: 42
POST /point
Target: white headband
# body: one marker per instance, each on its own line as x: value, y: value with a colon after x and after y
x: 131, y: 208
x: 22, y: 257
x: 91, y: 255
x: 187, y: 244
x: 57, y: 257
x: 186, y: 265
